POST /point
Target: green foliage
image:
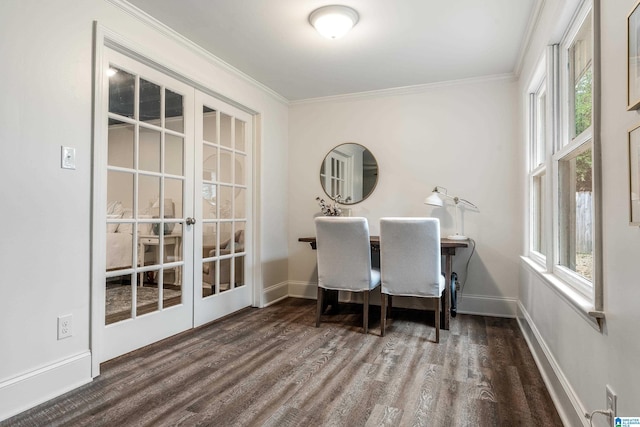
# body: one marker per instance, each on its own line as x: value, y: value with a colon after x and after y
x: 584, y: 172
x: 583, y: 101
x: 583, y: 114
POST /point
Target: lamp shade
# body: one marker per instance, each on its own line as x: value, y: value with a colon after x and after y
x: 434, y: 200
x: 333, y: 21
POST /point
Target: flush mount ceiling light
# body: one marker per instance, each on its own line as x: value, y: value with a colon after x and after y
x: 333, y: 21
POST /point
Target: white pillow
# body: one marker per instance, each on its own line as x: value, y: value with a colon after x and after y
x: 115, y: 208
x: 111, y: 227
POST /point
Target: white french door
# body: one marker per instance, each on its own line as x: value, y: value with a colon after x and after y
x: 178, y: 203
x: 224, y: 235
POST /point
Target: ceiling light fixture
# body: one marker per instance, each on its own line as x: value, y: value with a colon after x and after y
x: 333, y: 21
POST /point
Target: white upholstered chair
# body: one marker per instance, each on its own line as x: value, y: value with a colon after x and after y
x: 344, y: 259
x: 410, y: 262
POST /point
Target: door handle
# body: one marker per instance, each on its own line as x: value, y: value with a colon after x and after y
x: 190, y: 221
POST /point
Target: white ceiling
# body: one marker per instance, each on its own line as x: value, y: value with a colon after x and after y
x: 396, y: 43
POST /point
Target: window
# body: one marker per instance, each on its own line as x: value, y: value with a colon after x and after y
x: 563, y: 216
x: 573, y: 161
x: 538, y: 169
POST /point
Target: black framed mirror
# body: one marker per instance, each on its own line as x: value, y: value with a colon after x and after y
x: 349, y: 173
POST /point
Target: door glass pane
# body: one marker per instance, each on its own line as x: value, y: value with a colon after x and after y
x: 240, y: 165
x: 149, y: 102
x: 226, y: 202
x: 119, y: 191
x: 119, y: 244
x: 210, y: 163
x: 240, y: 203
x: 209, y: 278
x: 148, y: 295
x: 171, y: 288
x: 175, y: 254
x: 240, y: 135
x: 173, y: 193
x: 226, y: 167
x: 118, y: 299
x: 173, y: 111
x: 209, y: 243
x: 239, y: 271
x: 225, y: 274
x: 209, y: 125
x: 148, y: 194
x: 225, y: 131
x: 149, y: 157
x: 122, y: 86
x: 121, y: 144
x: 173, y: 155
x: 209, y: 201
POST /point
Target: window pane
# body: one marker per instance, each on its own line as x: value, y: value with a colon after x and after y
x: 576, y: 214
x: 581, y: 56
x: 538, y: 243
x: 541, y: 128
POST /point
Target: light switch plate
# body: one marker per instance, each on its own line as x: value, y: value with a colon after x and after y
x: 68, y: 158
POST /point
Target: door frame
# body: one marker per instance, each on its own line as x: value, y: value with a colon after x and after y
x: 104, y: 37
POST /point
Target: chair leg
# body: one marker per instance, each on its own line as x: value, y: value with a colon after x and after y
x: 438, y: 320
x: 319, y: 308
x: 383, y: 313
x: 365, y: 313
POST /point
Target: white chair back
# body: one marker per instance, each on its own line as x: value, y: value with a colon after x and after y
x: 344, y: 253
x: 410, y: 257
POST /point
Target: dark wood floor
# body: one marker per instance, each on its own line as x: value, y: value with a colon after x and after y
x: 272, y: 367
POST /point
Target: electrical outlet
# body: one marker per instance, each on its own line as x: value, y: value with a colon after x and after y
x: 65, y: 324
x: 612, y: 403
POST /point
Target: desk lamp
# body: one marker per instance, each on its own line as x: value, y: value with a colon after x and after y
x: 435, y: 199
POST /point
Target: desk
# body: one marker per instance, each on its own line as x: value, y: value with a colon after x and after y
x: 447, y: 249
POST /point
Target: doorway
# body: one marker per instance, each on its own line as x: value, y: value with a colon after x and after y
x: 177, y: 203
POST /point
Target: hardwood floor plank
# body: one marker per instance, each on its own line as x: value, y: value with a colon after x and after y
x: 272, y: 367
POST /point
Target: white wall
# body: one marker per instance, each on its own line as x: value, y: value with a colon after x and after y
x: 461, y: 136
x: 584, y: 359
x: 45, y: 249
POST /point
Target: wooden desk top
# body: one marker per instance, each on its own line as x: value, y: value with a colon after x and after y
x: 375, y: 241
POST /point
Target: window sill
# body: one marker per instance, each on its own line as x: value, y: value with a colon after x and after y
x: 579, y: 303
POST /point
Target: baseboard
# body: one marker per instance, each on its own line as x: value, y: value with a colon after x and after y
x: 33, y: 388
x: 468, y: 304
x: 275, y: 293
x: 298, y: 289
x: 565, y: 399
x: 483, y: 305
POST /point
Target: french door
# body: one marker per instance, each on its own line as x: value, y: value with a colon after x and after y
x: 178, y: 203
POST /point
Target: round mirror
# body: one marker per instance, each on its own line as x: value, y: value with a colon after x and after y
x: 349, y: 173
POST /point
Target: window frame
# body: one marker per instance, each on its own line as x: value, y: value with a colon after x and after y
x: 584, y: 295
x: 569, y: 146
x: 538, y: 159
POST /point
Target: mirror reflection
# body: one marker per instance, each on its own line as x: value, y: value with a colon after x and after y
x: 349, y: 172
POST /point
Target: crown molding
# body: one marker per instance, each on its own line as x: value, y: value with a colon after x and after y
x: 532, y: 25
x: 163, y: 29
x: 405, y: 90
